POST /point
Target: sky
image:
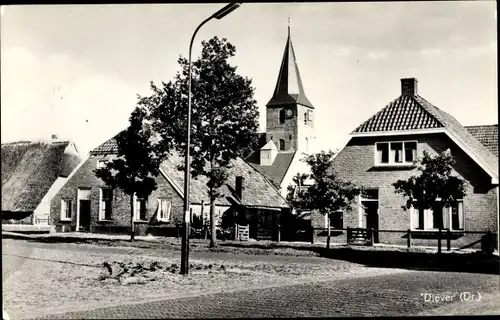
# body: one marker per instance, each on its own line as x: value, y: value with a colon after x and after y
x: 76, y: 71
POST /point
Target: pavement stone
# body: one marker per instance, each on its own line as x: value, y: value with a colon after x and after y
x: 388, y: 295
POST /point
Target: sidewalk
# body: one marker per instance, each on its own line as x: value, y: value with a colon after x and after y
x: 75, y: 236
x: 84, y: 237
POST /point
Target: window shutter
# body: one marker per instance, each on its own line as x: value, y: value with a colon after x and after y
x: 159, y: 213
x: 166, y: 210
x: 428, y: 219
x: 446, y: 217
x: 63, y: 209
x: 414, y: 218
x: 460, y: 214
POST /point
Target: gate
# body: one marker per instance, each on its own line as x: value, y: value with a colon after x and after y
x: 360, y: 236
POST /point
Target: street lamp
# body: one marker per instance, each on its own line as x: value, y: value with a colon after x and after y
x: 185, y: 235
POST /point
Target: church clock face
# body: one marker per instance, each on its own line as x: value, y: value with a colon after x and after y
x: 289, y: 113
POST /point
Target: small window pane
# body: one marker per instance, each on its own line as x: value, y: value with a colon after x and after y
x: 397, y: 152
x: 383, y: 152
x: 410, y: 151
x: 336, y: 220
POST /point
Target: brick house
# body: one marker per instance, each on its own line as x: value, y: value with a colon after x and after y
x: 382, y: 150
x: 290, y: 132
x: 32, y: 173
x: 85, y: 203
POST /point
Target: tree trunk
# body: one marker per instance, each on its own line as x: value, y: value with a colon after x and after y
x: 132, y: 226
x: 213, y: 234
x: 328, y: 231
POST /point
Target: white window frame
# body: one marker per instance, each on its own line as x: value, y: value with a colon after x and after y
x: 391, y: 160
x: 447, y: 216
x: 102, y: 213
x: 101, y: 163
x: 137, y: 208
x: 326, y: 219
x: 164, y: 204
x: 64, y: 209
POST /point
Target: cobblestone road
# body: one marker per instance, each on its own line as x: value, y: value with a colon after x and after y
x: 391, y: 295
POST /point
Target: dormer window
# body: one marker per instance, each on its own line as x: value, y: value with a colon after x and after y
x: 395, y: 153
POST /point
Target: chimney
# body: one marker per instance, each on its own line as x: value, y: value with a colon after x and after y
x: 239, y: 187
x: 409, y: 87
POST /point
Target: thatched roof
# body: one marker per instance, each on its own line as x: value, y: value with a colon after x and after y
x: 30, y: 168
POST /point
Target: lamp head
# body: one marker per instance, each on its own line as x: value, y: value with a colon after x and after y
x: 226, y: 10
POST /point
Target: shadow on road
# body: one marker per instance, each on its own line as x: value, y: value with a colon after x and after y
x: 380, y: 258
x: 369, y: 256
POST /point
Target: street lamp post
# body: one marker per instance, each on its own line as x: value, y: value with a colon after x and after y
x: 185, y: 235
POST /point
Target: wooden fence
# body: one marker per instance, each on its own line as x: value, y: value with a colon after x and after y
x: 364, y: 236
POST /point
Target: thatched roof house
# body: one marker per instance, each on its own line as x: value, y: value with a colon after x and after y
x: 32, y: 172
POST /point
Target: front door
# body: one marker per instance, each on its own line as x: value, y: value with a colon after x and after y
x: 371, y: 217
x: 85, y: 215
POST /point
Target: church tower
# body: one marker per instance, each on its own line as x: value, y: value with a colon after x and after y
x: 290, y: 115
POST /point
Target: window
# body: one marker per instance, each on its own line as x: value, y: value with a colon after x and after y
x: 452, y: 217
x: 140, y: 209
x: 65, y: 209
x: 410, y: 151
x: 106, y: 203
x: 282, y: 144
x: 101, y: 163
x: 305, y: 118
x: 164, y: 210
x: 336, y: 220
x: 282, y: 116
x: 395, y: 152
x: 309, y: 115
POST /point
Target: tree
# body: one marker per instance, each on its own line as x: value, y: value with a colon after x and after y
x: 295, y: 191
x: 328, y: 193
x: 136, y: 165
x: 435, y: 187
x: 224, y: 115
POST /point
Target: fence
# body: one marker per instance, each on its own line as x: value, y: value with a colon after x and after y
x: 368, y: 236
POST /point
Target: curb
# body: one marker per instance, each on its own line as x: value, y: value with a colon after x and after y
x: 36, y: 314
x: 15, y: 235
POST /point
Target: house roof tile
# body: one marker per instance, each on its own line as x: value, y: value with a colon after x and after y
x: 412, y: 112
x: 258, y: 190
x: 275, y: 172
x: 487, y: 135
x: 404, y: 113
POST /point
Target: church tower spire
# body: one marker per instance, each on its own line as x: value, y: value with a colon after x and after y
x: 289, y: 88
x: 289, y: 114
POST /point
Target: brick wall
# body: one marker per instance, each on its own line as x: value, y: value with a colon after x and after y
x: 120, y: 223
x: 286, y: 131
x: 293, y: 130
x: 356, y: 163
